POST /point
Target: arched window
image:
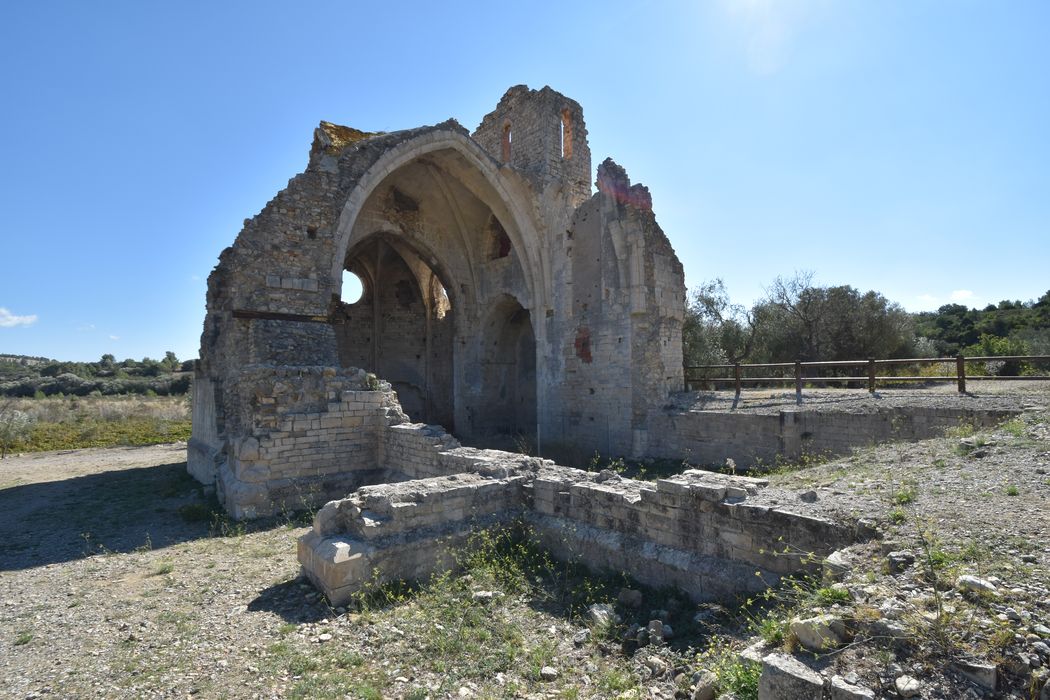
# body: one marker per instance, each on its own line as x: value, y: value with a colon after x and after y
x: 566, y: 133
x: 353, y: 288
x: 506, y: 142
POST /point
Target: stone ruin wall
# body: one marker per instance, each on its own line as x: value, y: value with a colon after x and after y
x: 500, y: 293
x: 695, y: 531
x: 764, y: 439
x: 501, y: 296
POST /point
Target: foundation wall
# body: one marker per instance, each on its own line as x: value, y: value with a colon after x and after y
x: 696, y: 531
x: 402, y: 531
x: 750, y: 439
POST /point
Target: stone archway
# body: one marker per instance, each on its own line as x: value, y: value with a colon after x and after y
x: 401, y: 328
x: 441, y: 193
x: 507, y: 405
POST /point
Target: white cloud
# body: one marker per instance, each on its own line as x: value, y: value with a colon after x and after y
x: 9, y: 320
x: 86, y: 328
x: 961, y: 295
x: 114, y: 337
x: 928, y: 301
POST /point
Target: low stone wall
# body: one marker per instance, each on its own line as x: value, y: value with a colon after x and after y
x: 760, y: 438
x: 309, y: 435
x: 402, y: 531
x: 410, y: 449
x: 696, y: 531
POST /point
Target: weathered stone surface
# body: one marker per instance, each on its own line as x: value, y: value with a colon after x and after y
x: 840, y: 689
x: 819, y: 633
x: 629, y: 597
x: 907, y: 687
x: 900, y: 560
x: 968, y: 582
x: 983, y: 674
x: 499, y: 296
x: 705, y: 686
x: 602, y: 615
x: 837, y: 565
x: 786, y: 678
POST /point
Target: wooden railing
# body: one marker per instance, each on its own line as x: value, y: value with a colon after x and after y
x: 698, y: 374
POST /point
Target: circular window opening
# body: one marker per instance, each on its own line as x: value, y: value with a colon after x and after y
x: 353, y: 289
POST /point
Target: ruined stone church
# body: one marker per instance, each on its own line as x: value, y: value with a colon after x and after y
x: 500, y: 297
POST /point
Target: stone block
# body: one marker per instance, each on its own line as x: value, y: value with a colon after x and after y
x: 840, y: 689
x: 786, y: 678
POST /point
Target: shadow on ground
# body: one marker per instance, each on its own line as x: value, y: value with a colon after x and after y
x: 293, y: 601
x: 113, y: 511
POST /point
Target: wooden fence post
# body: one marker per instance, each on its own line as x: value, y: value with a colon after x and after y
x: 798, y: 382
x: 871, y: 375
x: 960, y: 372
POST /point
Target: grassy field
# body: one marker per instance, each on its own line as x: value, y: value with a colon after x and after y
x: 69, y: 423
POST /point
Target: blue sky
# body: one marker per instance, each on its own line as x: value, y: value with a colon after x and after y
x: 896, y: 146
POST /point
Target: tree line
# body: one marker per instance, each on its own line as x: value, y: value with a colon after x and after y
x: 34, y: 376
x: 800, y: 320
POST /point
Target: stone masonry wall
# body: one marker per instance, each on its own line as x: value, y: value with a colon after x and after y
x: 696, y: 530
x: 308, y: 434
x: 749, y: 439
x: 535, y: 124
x: 625, y: 320
x: 401, y: 531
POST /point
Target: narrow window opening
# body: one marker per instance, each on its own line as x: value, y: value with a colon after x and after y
x: 439, y: 298
x: 566, y: 134
x: 507, y: 137
x: 499, y: 241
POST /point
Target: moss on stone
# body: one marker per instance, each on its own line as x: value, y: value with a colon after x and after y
x: 333, y: 138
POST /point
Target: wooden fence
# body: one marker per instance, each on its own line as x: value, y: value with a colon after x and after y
x: 699, y: 376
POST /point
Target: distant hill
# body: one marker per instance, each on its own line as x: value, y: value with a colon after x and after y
x: 25, y: 360
x: 23, y: 375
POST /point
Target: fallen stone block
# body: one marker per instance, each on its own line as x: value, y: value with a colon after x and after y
x: 786, y: 678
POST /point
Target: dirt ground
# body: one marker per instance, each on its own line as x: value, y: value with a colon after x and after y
x: 117, y: 580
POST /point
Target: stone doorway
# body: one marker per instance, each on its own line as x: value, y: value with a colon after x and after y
x: 508, y: 397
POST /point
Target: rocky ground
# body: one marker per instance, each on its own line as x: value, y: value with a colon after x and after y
x: 118, y: 579
x: 990, y: 394
x: 956, y: 592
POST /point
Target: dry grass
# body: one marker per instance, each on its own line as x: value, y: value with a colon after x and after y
x: 103, y: 421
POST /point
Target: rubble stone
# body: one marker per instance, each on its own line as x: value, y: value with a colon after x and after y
x: 786, y: 678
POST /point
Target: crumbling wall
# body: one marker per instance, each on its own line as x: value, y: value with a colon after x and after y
x: 542, y: 134
x: 696, y: 531
x: 465, y: 245
x: 305, y: 435
x: 622, y: 344
x: 401, y: 531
